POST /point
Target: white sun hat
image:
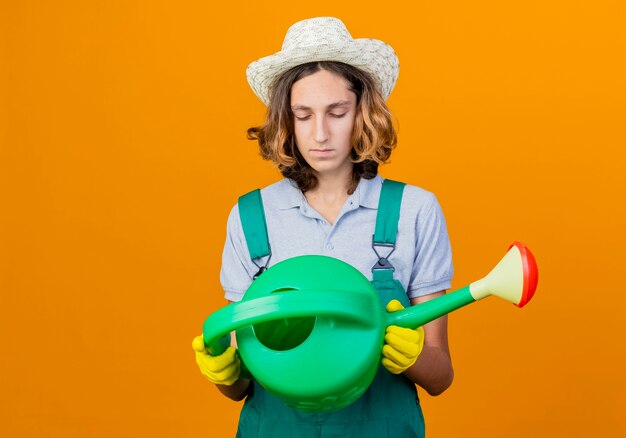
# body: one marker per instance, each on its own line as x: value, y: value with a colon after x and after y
x: 325, y: 39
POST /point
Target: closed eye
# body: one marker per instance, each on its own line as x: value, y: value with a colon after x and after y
x: 303, y: 118
x: 337, y: 116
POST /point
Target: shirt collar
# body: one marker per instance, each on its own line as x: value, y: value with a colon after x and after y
x: 366, y: 194
x: 292, y: 196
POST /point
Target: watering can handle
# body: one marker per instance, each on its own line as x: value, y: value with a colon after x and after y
x: 354, y: 307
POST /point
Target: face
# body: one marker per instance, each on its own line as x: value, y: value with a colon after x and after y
x: 324, y: 109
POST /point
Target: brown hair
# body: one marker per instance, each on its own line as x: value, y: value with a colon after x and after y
x: 373, y: 135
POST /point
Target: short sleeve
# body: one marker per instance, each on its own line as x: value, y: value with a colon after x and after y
x: 237, y: 268
x: 432, y: 266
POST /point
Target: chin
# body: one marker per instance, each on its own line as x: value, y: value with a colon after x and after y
x: 325, y: 169
x: 326, y: 166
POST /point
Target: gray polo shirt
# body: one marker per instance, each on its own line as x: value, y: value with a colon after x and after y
x: 422, y: 258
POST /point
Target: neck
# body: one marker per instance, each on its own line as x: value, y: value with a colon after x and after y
x: 330, y: 193
x: 335, y: 184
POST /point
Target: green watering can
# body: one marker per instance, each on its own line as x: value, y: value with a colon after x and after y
x: 311, y: 328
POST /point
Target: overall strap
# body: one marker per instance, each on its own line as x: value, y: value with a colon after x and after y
x: 384, y: 239
x: 254, y: 226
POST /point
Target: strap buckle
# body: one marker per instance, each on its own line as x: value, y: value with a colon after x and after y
x: 383, y: 260
x: 262, y: 268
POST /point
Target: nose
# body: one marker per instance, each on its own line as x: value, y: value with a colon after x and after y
x: 321, y: 130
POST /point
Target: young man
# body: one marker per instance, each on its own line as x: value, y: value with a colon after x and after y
x: 328, y: 129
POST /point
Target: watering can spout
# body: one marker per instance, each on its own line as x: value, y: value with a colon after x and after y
x: 514, y: 279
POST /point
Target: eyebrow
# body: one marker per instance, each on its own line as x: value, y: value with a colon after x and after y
x: 331, y: 106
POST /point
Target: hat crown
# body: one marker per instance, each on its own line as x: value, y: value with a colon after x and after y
x: 316, y: 32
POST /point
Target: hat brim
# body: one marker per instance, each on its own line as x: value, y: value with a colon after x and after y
x: 373, y: 56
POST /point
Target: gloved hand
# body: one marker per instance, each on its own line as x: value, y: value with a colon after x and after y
x: 221, y: 370
x: 402, y: 345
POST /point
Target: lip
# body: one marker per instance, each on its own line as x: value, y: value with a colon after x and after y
x: 321, y: 151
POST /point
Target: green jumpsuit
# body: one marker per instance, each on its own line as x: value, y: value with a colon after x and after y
x: 390, y: 407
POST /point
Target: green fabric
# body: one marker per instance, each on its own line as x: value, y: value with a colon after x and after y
x: 386, y: 287
x: 388, y: 212
x: 252, y: 217
x: 389, y: 408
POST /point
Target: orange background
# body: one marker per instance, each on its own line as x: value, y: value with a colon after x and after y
x: 122, y: 149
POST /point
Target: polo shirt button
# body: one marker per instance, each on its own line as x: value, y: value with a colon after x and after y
x: 329, y: 246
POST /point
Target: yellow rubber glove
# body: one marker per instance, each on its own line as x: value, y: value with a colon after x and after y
x: 221, y: 370
x: 402, y: 345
